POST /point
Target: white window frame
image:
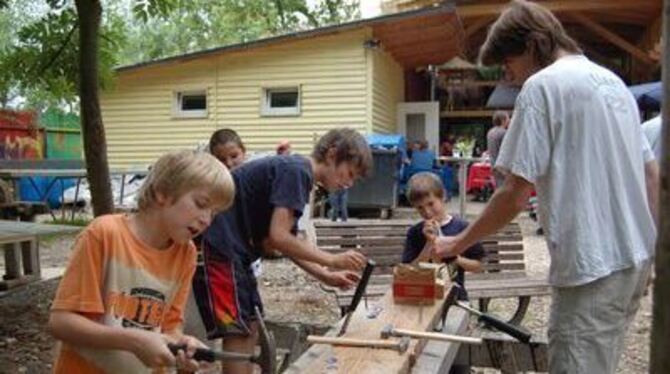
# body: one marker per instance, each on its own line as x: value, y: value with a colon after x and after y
x: 178, y: 112
x: 266, y: 110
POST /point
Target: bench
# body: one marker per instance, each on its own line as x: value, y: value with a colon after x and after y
x: 383, y: 241
x: 19, y: 242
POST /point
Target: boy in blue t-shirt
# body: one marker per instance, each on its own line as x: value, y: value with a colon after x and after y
x: 426, y: 194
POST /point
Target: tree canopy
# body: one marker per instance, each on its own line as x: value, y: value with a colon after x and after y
x: 39, y: 39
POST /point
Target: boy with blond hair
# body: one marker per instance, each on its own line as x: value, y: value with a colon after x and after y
x: 121, y: 299
x: 427, y: 195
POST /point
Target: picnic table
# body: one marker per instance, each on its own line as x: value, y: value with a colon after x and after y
x: 20, y: 244
x: 58, y: 175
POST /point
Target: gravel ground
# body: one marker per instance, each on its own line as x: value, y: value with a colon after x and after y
x: 290, y: 296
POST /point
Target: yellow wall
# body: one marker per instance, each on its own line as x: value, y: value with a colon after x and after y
x: 387, y: 90
x: 335, y: 74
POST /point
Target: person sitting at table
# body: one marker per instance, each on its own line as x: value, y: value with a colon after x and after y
x: 423, y: 159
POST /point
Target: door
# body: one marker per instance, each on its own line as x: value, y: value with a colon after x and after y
x: 420, y: 121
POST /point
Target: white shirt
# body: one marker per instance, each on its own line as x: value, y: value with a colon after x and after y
x: 652, y: 131
x: 576, y: 135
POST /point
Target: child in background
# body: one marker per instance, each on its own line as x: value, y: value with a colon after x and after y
x: 271, y: 194
x: 227, y: 147
x: 427, y: 195
x: 122, y: 297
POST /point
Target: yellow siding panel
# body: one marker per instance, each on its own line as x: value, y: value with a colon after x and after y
x: 388, y: 87
x: 331, y: 71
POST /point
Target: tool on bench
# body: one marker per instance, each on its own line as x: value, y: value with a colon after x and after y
x: 397, y: 345
x: 514, y: 331
x: 358, y: 294
x: 389, y: 331
x: 265, y: 359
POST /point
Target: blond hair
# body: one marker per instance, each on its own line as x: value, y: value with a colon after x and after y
x: 177, y: 173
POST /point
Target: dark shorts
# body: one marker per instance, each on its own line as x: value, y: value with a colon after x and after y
x: 226, y: 290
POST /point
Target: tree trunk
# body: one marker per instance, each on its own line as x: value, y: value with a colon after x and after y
x: 660, y: 332
x: 95, y: 145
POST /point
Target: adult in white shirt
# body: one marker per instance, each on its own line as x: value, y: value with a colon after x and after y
x: 576, y: 137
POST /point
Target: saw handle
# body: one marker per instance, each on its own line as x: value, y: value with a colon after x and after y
x: 200, y: 354
x: 514, y: 331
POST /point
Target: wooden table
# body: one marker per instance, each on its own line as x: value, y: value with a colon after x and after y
x: 463, y: 163
x: 20, y: 244
x: 421, y: 357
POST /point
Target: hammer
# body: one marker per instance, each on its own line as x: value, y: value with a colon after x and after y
x: 389, y: 331
x: 514, y: 331
x: 397, y: 345
x: 266, y: 359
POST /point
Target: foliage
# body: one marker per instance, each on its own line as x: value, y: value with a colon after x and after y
x: 39, y: 42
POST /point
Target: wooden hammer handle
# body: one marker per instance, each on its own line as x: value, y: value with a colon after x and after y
x: 438, y: 336
x: 351, y: 342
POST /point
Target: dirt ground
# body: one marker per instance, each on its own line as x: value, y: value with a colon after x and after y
x: 289, y: 294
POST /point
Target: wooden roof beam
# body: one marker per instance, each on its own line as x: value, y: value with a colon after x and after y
x: 477, y: 25
x: 613, y: 38
x: 556, y: 6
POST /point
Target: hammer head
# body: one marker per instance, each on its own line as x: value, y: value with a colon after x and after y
x: 387, y: 331
x: 403, y: 344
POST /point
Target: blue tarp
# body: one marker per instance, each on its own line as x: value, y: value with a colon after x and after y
x: 648, y: 95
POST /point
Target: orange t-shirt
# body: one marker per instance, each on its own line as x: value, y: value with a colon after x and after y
x: 115, y: 279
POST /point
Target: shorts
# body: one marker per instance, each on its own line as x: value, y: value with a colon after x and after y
x: 225, y: 290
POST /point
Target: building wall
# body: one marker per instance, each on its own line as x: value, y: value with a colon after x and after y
x: 332, y: 72
x: 387, y: 90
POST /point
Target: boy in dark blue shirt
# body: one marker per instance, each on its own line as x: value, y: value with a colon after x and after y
x: 427, y: 196
x: 270, y: 195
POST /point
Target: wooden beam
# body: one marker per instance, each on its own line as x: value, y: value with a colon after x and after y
x: 612, y: 38
x: 478, y: 113
x: 556, y: 6
x: 477, y: 25
x: 325, y: 358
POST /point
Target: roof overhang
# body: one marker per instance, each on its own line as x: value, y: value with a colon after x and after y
x: 414, y: 38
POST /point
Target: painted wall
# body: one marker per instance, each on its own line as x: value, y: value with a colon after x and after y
x: 387, y: 90
x: 341, y: 84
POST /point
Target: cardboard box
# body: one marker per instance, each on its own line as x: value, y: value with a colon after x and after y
x: 414, y: 285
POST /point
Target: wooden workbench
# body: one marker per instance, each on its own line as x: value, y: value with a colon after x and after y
x: 20, y: 244
x: 421, y: 357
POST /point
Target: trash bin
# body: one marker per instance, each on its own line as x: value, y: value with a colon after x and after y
x: 379, y: 190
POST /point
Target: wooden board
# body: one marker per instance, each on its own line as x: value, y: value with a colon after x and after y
x: 322, y: 358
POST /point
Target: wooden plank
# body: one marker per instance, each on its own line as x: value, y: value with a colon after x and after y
x: 364, y: 223
x: 322, y: 358
x: 504, y: 266
x: 437, y: 357
x: 361, y: 231
x: 505, y: 353
x: 361, y: 241
x: 12, y: 254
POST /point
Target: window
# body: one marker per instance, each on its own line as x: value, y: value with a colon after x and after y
x: 281, y: 101
x: 192, y: 104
